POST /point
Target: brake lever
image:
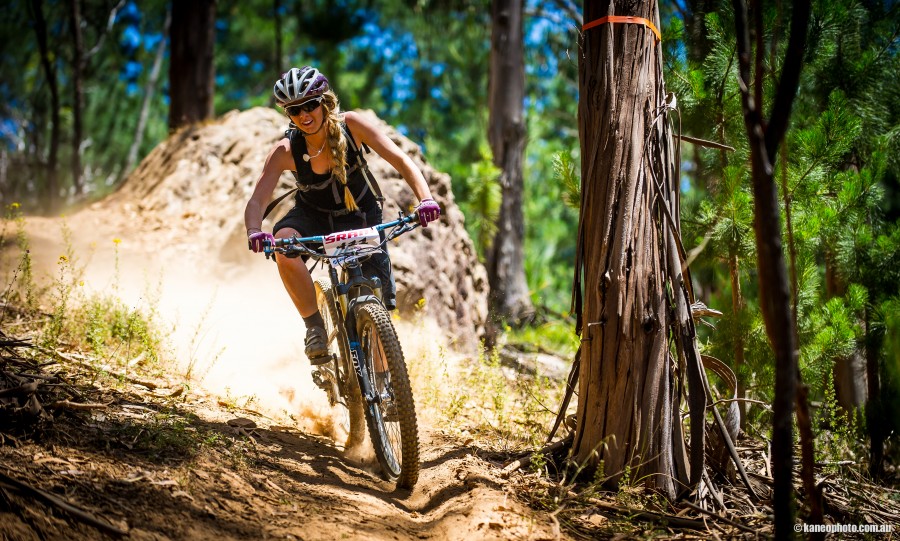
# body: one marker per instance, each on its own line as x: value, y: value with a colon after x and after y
x: 269, y: 249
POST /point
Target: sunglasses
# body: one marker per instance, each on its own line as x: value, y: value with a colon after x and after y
x: 305, y: 107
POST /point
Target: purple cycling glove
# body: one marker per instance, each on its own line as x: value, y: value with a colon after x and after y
x: 429, y: 211
x: 257, y: 241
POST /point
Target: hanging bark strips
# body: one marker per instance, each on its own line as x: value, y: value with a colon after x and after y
x: 638, y: 338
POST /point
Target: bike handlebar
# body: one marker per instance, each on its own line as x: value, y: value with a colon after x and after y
x: 298, y: 244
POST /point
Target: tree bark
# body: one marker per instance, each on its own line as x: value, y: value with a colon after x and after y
x: 509, y: 295
x: 695, y: 26
x: 775, y: 298
x: 149, y: 90
x: 191, y: 66
x: 628, y: 258
x: 804, y: 419
x: 737, y: 308
x: 874, y: 413
x: 77, y: 95
x: 51, y: 188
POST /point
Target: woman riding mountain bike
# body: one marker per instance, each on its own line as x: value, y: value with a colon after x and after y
x: 366, y: 373
x: 335, y: 191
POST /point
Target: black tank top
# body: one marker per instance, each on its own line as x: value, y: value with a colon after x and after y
x: 324, y: 192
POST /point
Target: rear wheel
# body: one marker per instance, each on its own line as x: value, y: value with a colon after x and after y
x: 346, y: 385
x: 391, y: 415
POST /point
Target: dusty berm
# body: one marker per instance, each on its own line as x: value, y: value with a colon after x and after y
x: 201, y: 177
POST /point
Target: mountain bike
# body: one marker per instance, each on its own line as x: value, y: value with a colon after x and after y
x: 366, y: 373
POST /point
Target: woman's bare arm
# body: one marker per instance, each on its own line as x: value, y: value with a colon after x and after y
x: 365, y: 132
x: 278, y: 161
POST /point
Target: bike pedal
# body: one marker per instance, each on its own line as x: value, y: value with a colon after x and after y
x: 320, y: 360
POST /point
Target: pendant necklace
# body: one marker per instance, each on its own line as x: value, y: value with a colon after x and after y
x: 307, y: 157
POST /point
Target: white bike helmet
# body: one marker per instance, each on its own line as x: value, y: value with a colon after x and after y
x: 300, y: 84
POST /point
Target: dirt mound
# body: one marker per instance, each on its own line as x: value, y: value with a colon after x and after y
x: 200, y: 179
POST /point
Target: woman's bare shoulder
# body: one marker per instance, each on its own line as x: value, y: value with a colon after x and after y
x: 356, y: 120
x: 280, y: 155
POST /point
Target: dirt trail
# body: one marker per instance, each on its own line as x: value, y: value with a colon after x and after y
x: 251, y: 479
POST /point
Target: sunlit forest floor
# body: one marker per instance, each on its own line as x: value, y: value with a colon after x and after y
x: 103, y: 447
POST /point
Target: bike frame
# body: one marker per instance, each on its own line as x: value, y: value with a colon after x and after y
x: 350, y: 290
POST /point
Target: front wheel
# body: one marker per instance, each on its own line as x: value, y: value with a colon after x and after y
x: 390, y: 411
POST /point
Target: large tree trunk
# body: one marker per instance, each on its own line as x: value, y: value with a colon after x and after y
x: 775, y: 298
x: 699, y: 42
x: 630, y: 260
x: 191, y: 68
x: 77, y: 100
x: 51, y: 188
x: 506, y: 133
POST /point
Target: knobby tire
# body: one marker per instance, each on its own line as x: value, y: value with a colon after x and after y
x: 397, y: 439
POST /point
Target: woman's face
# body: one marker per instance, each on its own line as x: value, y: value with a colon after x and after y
x: 307, y: 120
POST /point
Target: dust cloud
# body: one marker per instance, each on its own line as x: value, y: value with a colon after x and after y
x: 234, y: 332
x: 229, y: 329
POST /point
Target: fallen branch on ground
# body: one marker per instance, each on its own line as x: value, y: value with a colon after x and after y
x: 652, y: 516
x: 80, y: 514
x: 77, y: 406
x: 547, y: 449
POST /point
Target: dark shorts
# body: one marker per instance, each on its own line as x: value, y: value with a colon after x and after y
x: 310, y: 222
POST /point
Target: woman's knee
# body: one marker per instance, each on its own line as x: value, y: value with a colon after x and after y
x: 290, y: 264
x: 286, y: 232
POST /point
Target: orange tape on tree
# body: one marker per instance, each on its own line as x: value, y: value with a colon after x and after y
x: 623, y: 19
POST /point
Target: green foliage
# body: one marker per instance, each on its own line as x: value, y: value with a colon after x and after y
x: 832, y: 331
x: 94, y: 323
x: 840, y: 162
x: 887, y: 318
x: 729, y: 217
x: 111, y: 330
x: 480, y: 199
x: 509, y: 410
x: 25, y: 267
x: 550, y: 225
x: 838, y: 168
x: 838, y: 432
x: 565, y: 173
x: 555, y: 335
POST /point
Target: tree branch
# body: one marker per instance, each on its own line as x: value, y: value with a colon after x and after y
x: 790, y: 77
x: 109, y: 24
x: 758, y: 61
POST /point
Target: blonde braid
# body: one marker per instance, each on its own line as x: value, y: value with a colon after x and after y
x: 337, y: 145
